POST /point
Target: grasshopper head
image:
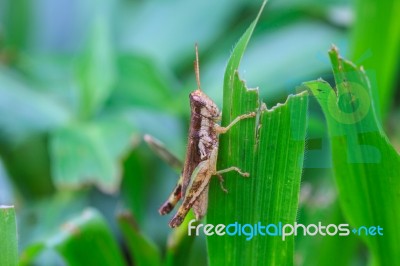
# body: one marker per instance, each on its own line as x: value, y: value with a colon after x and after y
x: 202, y: 104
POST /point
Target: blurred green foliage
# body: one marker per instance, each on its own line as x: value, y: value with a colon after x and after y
x: 82, y: 81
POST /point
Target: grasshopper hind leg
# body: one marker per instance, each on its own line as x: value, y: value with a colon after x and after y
x: 158, y: 147
x: 201, y: 204
x: 175, y: 196
x: 195, y: 193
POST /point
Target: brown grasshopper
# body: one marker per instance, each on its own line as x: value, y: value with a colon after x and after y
x: 201, y: 155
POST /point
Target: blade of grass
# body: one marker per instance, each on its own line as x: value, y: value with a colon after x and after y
x: 143, y: 251
x: 366, y: 166
x: 180, y: 244
x: 8, y: 236
x: 271, y: 150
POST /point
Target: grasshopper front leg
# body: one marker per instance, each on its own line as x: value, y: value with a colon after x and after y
x: 223, y: 130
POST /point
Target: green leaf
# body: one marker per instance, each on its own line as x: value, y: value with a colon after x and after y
x: 33, y: 180
x: 83, y: 153
x: 8, y: 235
x: 143, y: 251
x: 323, y: 206
x: 96, y: 69
x: 375, y: 45
x: 17, y: 17
x: 28, y: 111
x: 366, y: 166
x: 30, y: 253
x: 293, y: 68
x: 47, y: 217
x: 87, y: 240
x: 84, y: 240
x: 271, y: 149
x: 143, y: 83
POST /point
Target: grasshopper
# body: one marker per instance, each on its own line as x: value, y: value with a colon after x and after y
x: 201, y: 155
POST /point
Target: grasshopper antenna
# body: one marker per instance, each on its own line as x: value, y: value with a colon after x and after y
x: 197, y: 68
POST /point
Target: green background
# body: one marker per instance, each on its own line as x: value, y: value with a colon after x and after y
x: 82, y: 81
